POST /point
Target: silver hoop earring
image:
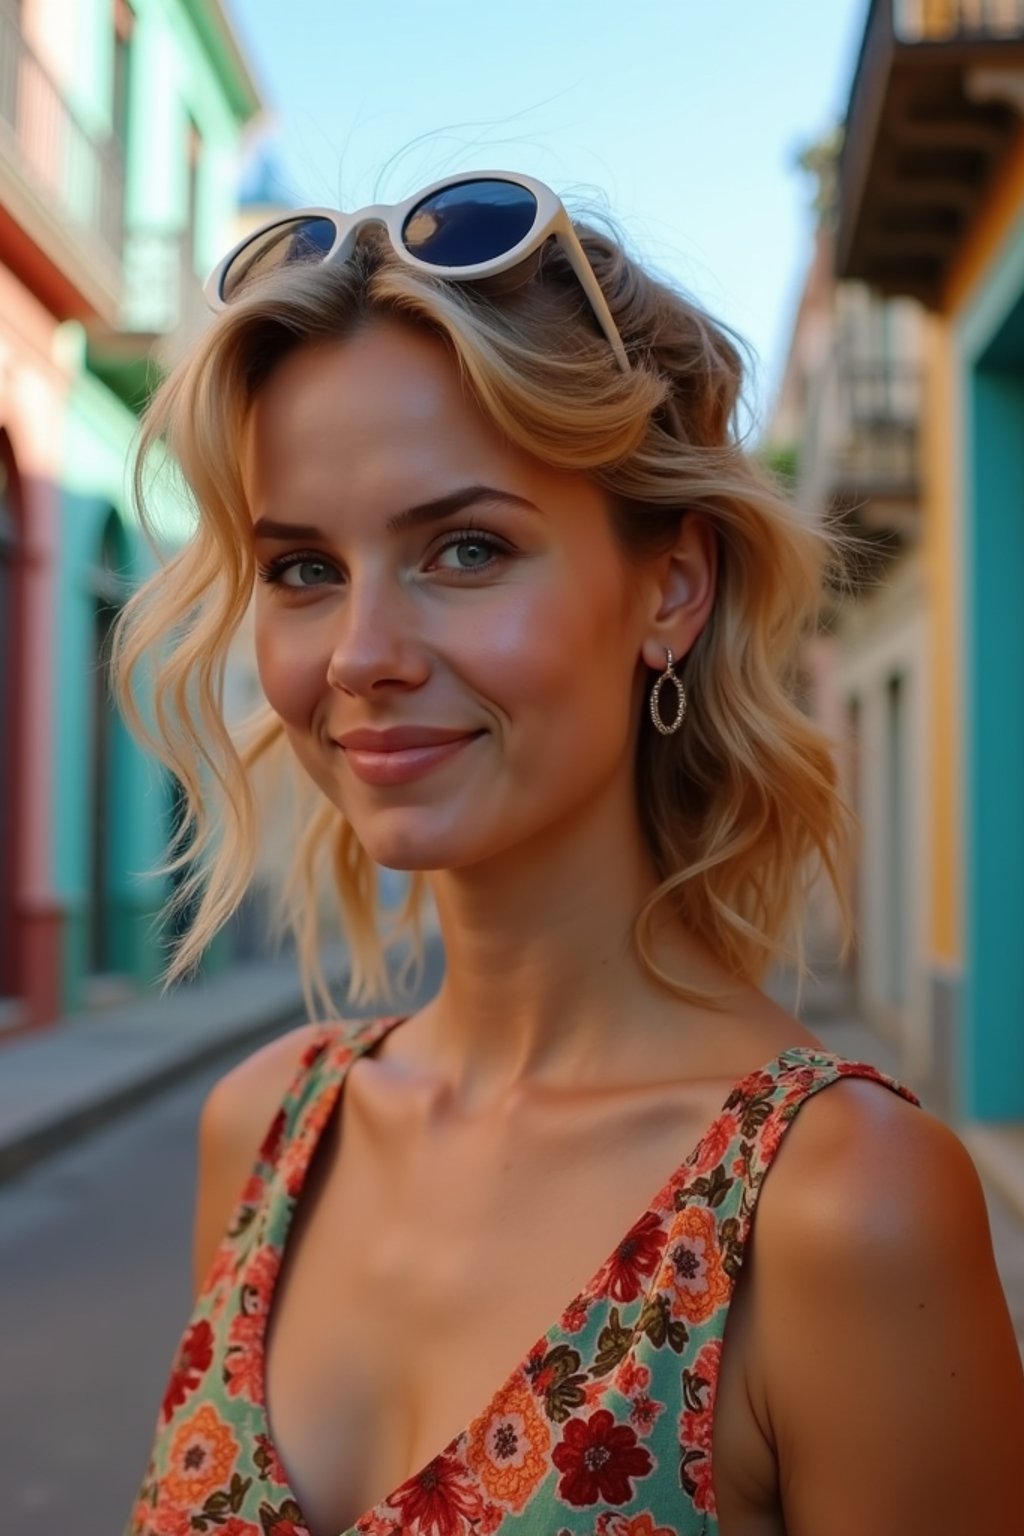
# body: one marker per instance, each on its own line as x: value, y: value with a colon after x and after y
x: 668, y: 676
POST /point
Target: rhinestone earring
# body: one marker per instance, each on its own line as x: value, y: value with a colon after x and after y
x: 668, y: 676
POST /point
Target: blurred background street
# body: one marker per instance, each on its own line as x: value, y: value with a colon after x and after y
x: 843, y: 183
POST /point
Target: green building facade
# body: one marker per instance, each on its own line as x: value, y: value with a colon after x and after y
x: 166, y: 81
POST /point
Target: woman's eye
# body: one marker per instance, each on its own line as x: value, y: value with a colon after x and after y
x: 469, y: 552
x: 463, y: 555
x: 299, y: 572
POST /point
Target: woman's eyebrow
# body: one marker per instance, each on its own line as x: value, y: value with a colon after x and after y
x: 412, y: 517
x: 445, y: 506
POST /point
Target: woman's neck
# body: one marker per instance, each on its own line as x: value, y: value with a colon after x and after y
x: 543, y: 983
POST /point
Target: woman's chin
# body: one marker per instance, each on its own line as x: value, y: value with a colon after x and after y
x: 409, y: 853
x: 410, y: 850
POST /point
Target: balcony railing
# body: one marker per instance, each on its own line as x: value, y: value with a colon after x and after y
x: 72, y: 170
x: 937, y: 20
x: 162, y: 309
x: 879, y: 411
x: 932, y: 115
x: 161, y: 291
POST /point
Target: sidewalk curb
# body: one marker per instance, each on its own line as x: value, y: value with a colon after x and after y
x: 22, y: 1151
x: 84, y: 1072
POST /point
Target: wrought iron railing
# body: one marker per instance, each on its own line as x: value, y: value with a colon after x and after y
x: 879, y: 412
x: 953, y: 20
x: 76, y: 172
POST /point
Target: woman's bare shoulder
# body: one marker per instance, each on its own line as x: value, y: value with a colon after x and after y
x: 235, y: 1117
x: 241, y: 1104
x: 881, y: 1324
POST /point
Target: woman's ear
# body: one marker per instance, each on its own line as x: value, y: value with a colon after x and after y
x: 684, y: 591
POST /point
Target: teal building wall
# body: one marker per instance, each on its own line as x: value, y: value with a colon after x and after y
x: 184, y: 75
x: 990, y: 347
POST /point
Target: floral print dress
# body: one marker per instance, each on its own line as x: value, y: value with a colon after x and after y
x: 604, y: 1429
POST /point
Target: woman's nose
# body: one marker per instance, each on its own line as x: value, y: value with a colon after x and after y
x: 375, y: 645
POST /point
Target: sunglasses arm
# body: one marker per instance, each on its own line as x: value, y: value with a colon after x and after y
x: 570, y: 243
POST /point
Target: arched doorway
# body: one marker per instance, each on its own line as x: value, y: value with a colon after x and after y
x: 104, y: 954
x: 11, y: 601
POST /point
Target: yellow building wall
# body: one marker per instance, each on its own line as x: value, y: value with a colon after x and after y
x: 942, y: 543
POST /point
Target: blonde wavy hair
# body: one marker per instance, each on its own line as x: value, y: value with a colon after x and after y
x: 742, y: 809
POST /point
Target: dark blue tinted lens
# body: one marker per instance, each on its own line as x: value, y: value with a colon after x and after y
x: 303, y: 239
x: 469, y: 223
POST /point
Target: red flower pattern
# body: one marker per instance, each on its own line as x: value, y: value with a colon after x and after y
x: 644, y: 1413
x: 575, y: 1317
x: 440, y: 1501
x: 571, y: 1436
x: 195, y: 1357
x: 634, y: 1261
x: 632, y: 1377
x: 696, y: 1425
x: 280, y: 1524
x: 597, y: 1459
x: 715, y: 1143
x: 243, y: 1374
x: 268, y: 1462
x: 167, y: 1521
x: 255, y: 1294
x: 635, y: 1525
x: 373, y: 1525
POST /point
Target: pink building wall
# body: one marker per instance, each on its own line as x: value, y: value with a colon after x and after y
x: 33, y: 387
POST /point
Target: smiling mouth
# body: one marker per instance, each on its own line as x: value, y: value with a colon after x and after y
x: 381, y: 765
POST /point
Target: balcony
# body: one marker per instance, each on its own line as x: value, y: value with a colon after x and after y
x: 160, y: 315
x: 162, y: 302
x: 61, y: 189
x: 860, y: 451
x: 876, y: 454
x: 933, y: 110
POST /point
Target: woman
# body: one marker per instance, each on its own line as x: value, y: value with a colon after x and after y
x: 524, y: 615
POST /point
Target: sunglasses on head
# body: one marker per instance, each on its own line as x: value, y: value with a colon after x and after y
x: 462, y: 228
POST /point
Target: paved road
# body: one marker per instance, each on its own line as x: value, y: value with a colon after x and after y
x: 94, y: 1291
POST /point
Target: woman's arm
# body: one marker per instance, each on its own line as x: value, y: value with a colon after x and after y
x: 886, y: 1362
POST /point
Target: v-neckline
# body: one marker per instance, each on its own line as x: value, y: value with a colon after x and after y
x: 351, y: 1050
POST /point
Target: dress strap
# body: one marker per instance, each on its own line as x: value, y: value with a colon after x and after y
x: 310, y: 1096
x: 291, y: 1139
x: 756, y: 1117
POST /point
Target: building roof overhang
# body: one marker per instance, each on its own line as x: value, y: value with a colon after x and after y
x: 930, y: 119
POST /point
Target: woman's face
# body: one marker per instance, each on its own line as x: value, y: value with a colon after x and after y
x: 446, y: 626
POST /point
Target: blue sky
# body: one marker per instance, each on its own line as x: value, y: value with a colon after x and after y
x: 684, y: 117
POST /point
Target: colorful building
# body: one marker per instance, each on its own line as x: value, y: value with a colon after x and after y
x: 120, y: 126
x: 846, y: 426
x: 931, y: 208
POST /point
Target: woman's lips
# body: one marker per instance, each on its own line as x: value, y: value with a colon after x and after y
x: 400, y: 765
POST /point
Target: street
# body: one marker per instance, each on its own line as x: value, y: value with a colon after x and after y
x: 94, y: 1292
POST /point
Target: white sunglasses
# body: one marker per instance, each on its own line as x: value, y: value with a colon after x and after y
x: 461, y: 228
